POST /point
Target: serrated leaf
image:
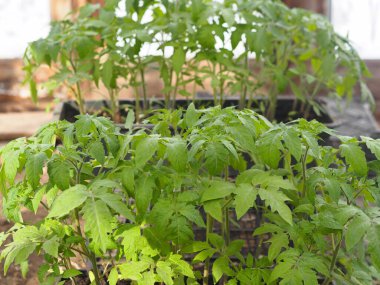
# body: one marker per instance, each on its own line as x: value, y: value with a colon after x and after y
x: 51, y: 246
x: 217, y: 190
x: 71, y: 272
x: 221, y: 266
x: 113, y: 277
x: 293, y: 143
x: 129, y: 120
x: 11, y: 163
x: 34, y: 168
x: 144, y: 193
x: 107, y: 73
x: 355, y: 157
x: 278, y: 242
x: 70, y: 199
x: 214, y: 208
x: 215, y: 155
x: 165, y: 272
x: 245, y: 199
x: 182, y: 266
x: 177, y: 154
x: 145, y: 151
x: 276, y: 201
x: 96, y: 150
x: 97, y: 218
x: 115, y: 202
x: 191, y: 116
x: 179, y: 58
x: 356, y: 229
x: 59, y: 173
x: 193, y: 215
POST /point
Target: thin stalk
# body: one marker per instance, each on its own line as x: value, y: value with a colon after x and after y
x: 213, y: 88
x: 137, y: 102
x: 115, y: 112
x: 315, y: 92
x: 333, y: 261
x: 175, y: 91
x: 80, y: 100
x: 243, y: 95
x: 271, y: 113
x: 145, y: 98
x: 304, y: 157
x: 221, y: 85
x: 78, y: 93
x: 206, y: 270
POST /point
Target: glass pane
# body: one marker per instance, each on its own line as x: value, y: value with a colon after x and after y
x: 22, y: 21
x: 360, y: 21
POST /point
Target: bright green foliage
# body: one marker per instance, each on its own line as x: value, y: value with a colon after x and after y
x: 132, y: 199
x: 246, y: 48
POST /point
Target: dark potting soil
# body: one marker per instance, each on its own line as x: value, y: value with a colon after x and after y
x: 284, y: 111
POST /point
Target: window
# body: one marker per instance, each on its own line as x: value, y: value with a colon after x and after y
x: 360, y: 21
x: 22, y: 21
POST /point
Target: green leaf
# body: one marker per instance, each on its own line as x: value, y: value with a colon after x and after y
x: 182, y: 266
x: 132, y: 270
x: 115, y: 202
x: 245, y: 199
x: 293, y: 143
x: 278, y: 242
x: 214, y: 208
x: 59, y: 173
x: 192, y: 214
x: 269, y: 146
x: 221, y: 266
x: 71, y: 272
x: 356, y: 229
x: 128, y: 179
x: 51, y: 246
x: 98, y: 222
x: 107, y: 73
x: 145, y: 151
x: 144, y: 193
x: 215, y: 154
x: 129, y: 120
x: 373, y: 245
x: 373, y: 145
x: 165, y: 272
x: 70, y: 199
x: 96, y: 150
x: 217, y: 190
x: 206, y: 37
x: 11, y: 163
x: 34, y: 168
x: 113, y: 277
x: 191, y: 116
x: 355, y: 157
x: 179, y: 59
x: 177, y: 154
x: 276, y: 201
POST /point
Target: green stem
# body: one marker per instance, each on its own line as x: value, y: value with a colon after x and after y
x: 315, y: 92
x: 145, y: 98
x: 115, y: 112
x: 304, y: 157
x: 243, y: 95
x: 206, y: 270
x: 333, y: 261
x: 271, y: 113
x: 175, y: 91
x: 137, y: 102
x: 221, y: 86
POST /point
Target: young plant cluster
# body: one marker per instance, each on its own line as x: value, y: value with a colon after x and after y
x: 126, y: 202
x: 244, y: 48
